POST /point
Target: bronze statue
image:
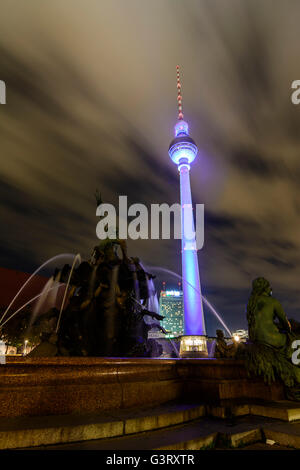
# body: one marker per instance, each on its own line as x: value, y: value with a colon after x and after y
x: 224, y: 350
x: 262, y: 312
x: 105, y: 309
x: 269, y: 352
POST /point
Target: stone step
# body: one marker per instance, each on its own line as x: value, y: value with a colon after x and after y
x: 192, y: 436
x: 202, y: 434
x: 245, y: 423
x: 283, y: 409
x: 247, y: 433
x: 284, y: 434
x: 48, y: 430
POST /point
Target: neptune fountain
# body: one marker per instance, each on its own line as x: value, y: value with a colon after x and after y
x: 106, y: 309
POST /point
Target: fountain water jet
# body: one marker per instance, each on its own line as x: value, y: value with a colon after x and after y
x: 42, y: 299
x: 77, y: 258
x: 52, y: 298
x: 152, y: 302
x: 25, y: 305
x: 30, y: 277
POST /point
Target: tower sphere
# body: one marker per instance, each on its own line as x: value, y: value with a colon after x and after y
x: 183, y: 148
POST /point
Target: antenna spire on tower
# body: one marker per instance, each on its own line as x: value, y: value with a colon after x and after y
x: 179, y: 96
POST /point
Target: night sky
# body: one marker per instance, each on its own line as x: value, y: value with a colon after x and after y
x: 91, y: 103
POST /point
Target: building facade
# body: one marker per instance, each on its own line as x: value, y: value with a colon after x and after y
x: 171, y: 307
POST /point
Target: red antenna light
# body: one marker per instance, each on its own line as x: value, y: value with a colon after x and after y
x: 179, y: 96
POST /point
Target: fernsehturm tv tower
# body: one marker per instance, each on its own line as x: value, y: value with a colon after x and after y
x: 183, y: 152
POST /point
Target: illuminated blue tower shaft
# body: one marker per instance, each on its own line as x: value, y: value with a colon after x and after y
x: 192, y: 297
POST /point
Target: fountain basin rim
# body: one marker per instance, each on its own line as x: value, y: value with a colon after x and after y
x: 64, y: 385
x: 10, y: 361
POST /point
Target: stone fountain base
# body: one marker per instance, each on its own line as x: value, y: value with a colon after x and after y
x: 65, y: 385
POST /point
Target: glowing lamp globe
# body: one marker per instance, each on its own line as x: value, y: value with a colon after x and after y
x: 182, y: 149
